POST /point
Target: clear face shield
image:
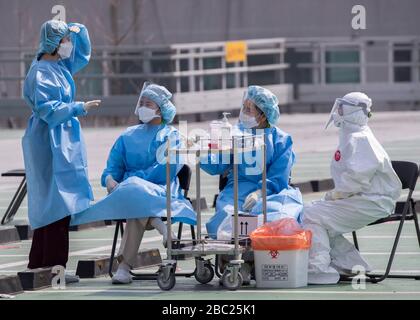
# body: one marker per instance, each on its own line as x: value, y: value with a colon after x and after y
x: 139, y: 101
x: 339, y: 111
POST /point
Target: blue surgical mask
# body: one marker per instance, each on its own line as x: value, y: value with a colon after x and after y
x: 247, y: 121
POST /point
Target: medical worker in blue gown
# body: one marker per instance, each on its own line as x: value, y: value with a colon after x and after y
x: 53, y: 145
x: 135, y: 177
x: 259, y: 115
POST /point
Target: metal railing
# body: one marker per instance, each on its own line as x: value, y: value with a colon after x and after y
x: 182, y: 67
x: 199, y: 76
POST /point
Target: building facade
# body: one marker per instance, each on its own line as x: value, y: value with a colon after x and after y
x: 306, y: 51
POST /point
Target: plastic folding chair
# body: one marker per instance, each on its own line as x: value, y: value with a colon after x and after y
x: 408, y: 172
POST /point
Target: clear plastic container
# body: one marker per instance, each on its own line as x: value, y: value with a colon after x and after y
x: 215, y: 134
x: 226, y: 132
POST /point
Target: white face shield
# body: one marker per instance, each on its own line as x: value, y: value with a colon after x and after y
x: 145, y: 85
x: 343, y: 107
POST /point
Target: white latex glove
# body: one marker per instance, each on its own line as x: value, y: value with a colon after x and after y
x: 111, y: 184
x: 74, y: 29
x: 91, y: 104
x: 251, y: 200
x: 336, y: 195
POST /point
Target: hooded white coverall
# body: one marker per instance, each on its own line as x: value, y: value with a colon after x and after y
x: 366, y: 189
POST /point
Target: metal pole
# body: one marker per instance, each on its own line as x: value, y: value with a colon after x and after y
x: 198, y: 194
x: 235, y: 199
x: 168, y: 201
x: 264, y: 179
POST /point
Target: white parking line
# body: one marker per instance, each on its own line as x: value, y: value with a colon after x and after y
x: 414, y: 272
x: 381, y: 237
x: 153, y: 290
x: 357, y: 292
x: 25, y: 255
x: 84, y: 252
x: 16, y: 271
x: 388, y: 253
x: 251, y: 290
x: 359, y: 237
x: 12, y: 255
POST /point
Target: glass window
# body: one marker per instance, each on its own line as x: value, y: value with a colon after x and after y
x: 242, y: 82
x: 212, y: 82
x: 183, y: 64
x: 305, y: 75
x: 342, y: 75
x: 159, y: 66
x: 342, y: 56
x: 402, y: 74
x: 402, y: 55
x: 264, y: 77
x: 262, y: 59
x: 197, y: 83
x: 185, y: 84
x: 297, y: 56
x: 196, y: 63
x: 212, y: 63
x: 230, y: 80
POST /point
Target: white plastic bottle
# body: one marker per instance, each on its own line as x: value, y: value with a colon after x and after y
x: 226, y: 129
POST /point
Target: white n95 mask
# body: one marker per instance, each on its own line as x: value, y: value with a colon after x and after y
x: 247, y: 121
x: 146, y: 114
x: 65, y: 49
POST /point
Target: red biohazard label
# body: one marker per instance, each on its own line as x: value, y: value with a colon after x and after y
x: 337, y: 155
x: 274, y: 254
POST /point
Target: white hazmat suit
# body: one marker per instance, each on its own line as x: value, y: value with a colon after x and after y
x: 366, y: 189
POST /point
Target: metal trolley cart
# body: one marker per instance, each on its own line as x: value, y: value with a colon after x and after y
x: 204, y: 246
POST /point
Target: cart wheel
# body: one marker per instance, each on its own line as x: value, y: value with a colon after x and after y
x: 166, y: 284
x: 229, y: 283
x: 206, y: 276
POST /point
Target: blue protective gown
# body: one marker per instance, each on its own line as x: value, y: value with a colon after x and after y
x: 135, y: 161
x: 53, y: 146
x: 282, y: 199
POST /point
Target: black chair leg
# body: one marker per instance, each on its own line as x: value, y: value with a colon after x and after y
x: 379, y: 278
x: 356, y: 243
x: 15, y: 203
x: 193, y: 234
x: 114, y: 245
x: 416, y: 220
x: 180, y: 227
x: 122, y: 228
x: 216, y: 266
